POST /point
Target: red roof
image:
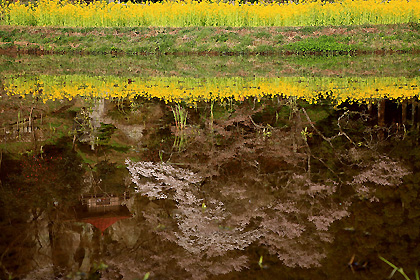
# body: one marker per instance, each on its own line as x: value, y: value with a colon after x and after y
x: 102, y: 223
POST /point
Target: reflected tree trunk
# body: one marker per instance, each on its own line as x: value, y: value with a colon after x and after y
x: 414, y: 113
x: 404, y: 112
x: 381, y: 117
x: 56, y: 270
x: 381, y: 113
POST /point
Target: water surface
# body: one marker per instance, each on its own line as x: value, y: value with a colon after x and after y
x: 231, y: 176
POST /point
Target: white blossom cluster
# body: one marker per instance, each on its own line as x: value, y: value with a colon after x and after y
x: 384, y: 172
x: 199, y: 227
x: 164, y: 177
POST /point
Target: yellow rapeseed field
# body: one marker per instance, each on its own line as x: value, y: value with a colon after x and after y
x: 192, y: 90
x: 211, y: 13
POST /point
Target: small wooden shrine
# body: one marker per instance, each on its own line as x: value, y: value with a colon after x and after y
x: 103, y: 210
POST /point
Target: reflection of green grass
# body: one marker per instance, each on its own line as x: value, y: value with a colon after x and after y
x: 118, y: 147
x: 85, y: 158
x: 220, y: 111
x: 16, y: 148
x: 398, y: 269
x: 209, y: 66
x: 316, y: 114
x: 180, y: 116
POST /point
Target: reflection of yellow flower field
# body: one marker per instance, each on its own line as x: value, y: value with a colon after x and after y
x: 206, y: 13
x: 193, y: 90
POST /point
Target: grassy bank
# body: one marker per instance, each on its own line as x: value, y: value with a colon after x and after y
x: 206, y: 66
x: 212, y: 40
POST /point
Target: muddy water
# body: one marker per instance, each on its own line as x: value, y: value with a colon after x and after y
x: 275, y: 188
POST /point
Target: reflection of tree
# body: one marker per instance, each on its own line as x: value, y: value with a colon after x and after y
x: 382, y: 172
x: 297, y: 224
x: 42, y: 180
x: 105, y: 177
x: 30, y: 191
x: 239, y: 208
x: 204, y: 227
x: 201, y: 223
x: 278, y: 188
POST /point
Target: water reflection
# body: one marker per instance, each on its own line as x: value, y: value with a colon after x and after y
x: 192, y: 90
x: 122, y: 187
x: 396, y: 65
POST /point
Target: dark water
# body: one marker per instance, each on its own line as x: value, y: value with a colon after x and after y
x: 269, y: 189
